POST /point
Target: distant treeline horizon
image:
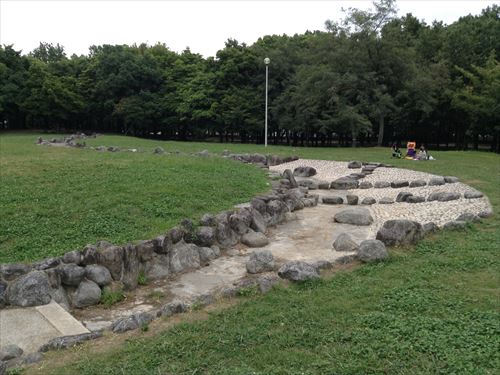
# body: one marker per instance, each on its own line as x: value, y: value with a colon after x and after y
x: 371, y: 79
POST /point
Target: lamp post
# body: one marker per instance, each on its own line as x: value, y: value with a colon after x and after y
x: 266, y: 61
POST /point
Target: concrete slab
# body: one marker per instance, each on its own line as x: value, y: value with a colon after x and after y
x: 31, y: 327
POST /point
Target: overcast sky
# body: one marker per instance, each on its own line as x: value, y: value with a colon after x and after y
x: 204, y: 26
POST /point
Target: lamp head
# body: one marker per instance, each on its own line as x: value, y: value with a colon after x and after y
x: 267, y: 60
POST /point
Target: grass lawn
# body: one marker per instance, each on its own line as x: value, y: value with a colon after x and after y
x: 433, y: 308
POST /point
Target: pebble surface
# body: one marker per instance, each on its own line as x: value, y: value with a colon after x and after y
x: 438, y: 212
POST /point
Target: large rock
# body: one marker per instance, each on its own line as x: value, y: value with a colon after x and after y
x: 473, y: 195
x: 259, y: 205
x: 240, y: 221
x: 208, y: 220
x: 450, y: 179
x: 443, y: 196
x: 415, y: 199
x: 365, y: 185
x: 3, y: 293
x: 47, y: 263
x: 386, y: 200
x: 71, y: 274
x: 455, y: 225
x: 208, y: 253
x: 288, y: 174
x: 258, y: 222
x: 98, y: 274
x: 146, y: 249
x: 400, y: 232
x: 254, y: 239
x: 344, y: 183
x: 437, y: 181
x: 65, y: 342
x: 260, y: 261
x: 132, y: 322
x: 324, y: 185
x: 344, y: 242
x: 381, y: 184
x: 89, y: 255
x: 73, y: 256
x: 130, y: 276
x: 226, y: 237
x: 429, y: 227
x: 9, y: 352
x: 11, y: 271
x: 159, y: 150
x: 372, y: 251
x: 354, y: 216
x: 32, y: 289
x: 88, y: 293
x: 368, y: 201
x: 418, y: 183
x: 468, y: 217
x: 399, y: 184
x: 184, y: 256
x: 298, y: 271
x: 310, y: 184
x: 403, y: 196
x: 276, y: 210
x: 304, y: 172
x: 352, y: 200
x: 354, y: 164
x: 332, y: 200
x: 158, y: 267
x: 112, y: 258
x: 205, y: 236
x: 173, y: 307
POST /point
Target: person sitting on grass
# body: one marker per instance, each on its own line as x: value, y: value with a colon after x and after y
x: 422, y: 154
x: 396, y: 152
x: 410, y: 150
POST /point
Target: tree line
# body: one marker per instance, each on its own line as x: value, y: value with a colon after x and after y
x: 371, y: 78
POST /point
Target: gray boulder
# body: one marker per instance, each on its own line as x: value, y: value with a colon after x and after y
x: 112, y: 258
x: 208, y: 220
x: 443, y: 196
x: 352, y: 200
x: 455, y: 225
x: 304, y: 172
x: 184, y: 256
x: 399, y: 184
x: 368, y: 201
x: 298, y: 271
x: 403, y: 196
x: 310, y: 184
x: 98, y: 274
x: 418, y: 183
x: 381, y: 184
x: 372, y: 251
x: 485, y: 214
x: 288, y: 174
x: 260, y: 261
x: 3, y: 293
x: 11, y: 271
x: 205, y: 236
x: 324, y: 185
x: 65, y: 342
x: 468, y: 217
x: 131, y: 322
x: 400, y: 232
x: 71, y: 274
x: 332, y: 200
x: 9, y: 352
x: 89, y: 255
x: 430, y: 228
x: 47, y: 263
x: 415, y: 199
x: 266, y: 282
x: 88, y: 293
x: 226, y: 237
x: 473, y: 195
x: 259, y: 205
x: 176, y: 234
x: 344, y: 183
x: 365, y: 185
x: 354, y: 216
x: 240, y: 221
x: 32, y: 289
x: 73, y: 256
x: 173, y: 307
x: 254, y: 239
x: 258, y: 222
x: 450, y: 179
x: 146, y: 249
x: 276, y: 210
x: 208, y: 253
x: 386, y: 200
x: 437, y: 181
x: 158, y: 267
x: 344, y: 242
x: 130, y: 275
x: 354, y: 164
x: 159, y: 150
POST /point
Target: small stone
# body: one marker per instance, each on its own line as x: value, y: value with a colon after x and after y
x: 352, y: 200
x: 46, y: 264
x: 208, y: 253
x: 354, y: 216
x: 131, y: 322
x: 332, y: 200
x: 386, y: 200
x: 344, y: 183
x: 10, y: 352
x: 365, y: 185
x: 403, y: 196
x: 368, y: 201
x: 381, y: 184
x: 415, y: 199
x: 173, y: 307
x: 443, y: 196
x: 310, y: 184
x: 73, y: 256
x: 372, y: 251
x: 344, y: 242
x: 430, y: 228
x: 208, y: 220
x: 399, y: 184
x: 324, y: 185
x: 159, y: 150
x: 266, y: 282
x: 468, y: 217
x: 455, y: 225
x: 473, y: 195
x: 298, y: 271
x: 354, y: 164
x: 65, y: 342
x: 418, y: 183
x: 254, y: 239
x: 260, y: 261
x: 450, y: 179
x: 436, y: 181
x: 304, y: 172
x: 485, y: 214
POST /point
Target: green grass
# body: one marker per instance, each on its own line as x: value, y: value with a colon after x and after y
x: 56, y: 199
x: 432, y: 309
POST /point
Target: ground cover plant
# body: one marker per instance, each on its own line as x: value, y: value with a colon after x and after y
x: 429, y: 309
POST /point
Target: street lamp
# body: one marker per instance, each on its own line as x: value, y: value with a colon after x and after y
x: 266, y: 61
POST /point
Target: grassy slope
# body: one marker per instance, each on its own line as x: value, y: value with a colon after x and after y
x: 430, y: 309
x: 56, y: 199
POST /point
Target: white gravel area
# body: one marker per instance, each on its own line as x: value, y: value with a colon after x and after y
x: 438, y: 212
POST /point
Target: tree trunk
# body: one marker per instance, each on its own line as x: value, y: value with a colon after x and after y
x: 381, y: 131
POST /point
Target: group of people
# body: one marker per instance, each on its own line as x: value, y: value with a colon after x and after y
x: 411, y: 152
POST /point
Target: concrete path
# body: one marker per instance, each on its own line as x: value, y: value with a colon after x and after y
x: 30, y: 328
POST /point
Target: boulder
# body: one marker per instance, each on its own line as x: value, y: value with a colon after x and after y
x: 352, y: 200
x: 88, y: 293
x: 386, y: 200
x: 112, y: 258
x: 158, y: 267
x: 146, y: 249
x: 130, y: 275
x: 468, y: 217
x: 132, y: 322
x: 354, y: 216
x: 226, y: 237
x: 259, y: 205
x: 399, y: 184
x: 368, y: 201
x: 429, y: 227
x: 455, y: 225
x: 381, y: 184
x: 344, y: 242
x: 98, y: 274
x: 473, y: 195
x: 418, y: 183
x: 437, y: 181
x: 288, y: 174
x: 266, y: 282
x: 324, y: 185
x: 3, y: 293
x: 276, y: 210
x: 89, y: 255
x: 65, y: 342
x: 32, y: 289
x: 344, y: 183
x: 400, y: 232
x: 159, y: 150
x: 254, y: 239
x: 73, y: 256
x: 184, y: 256
x: 205, y: 236
x: 332, y: 200
x: 47, y: 263
x: 310, y: 184
x: 443, y: 196
x: 450, y: 179
x: 208, y: 253
x: 415, y: 199
x: 260, y: 261
x: 173, y: 307
x: 484, y: 214
x: 365, y: 185
x: 71, y: 274
x: 240, y: 221
x: 176, y: 234
x: 298, y: 271
x: 11, y: 271
x: 354, y: 164
x: 9, y: 352
x: 258, y: 222
x: 208, y: 220
x: 403, y: 196
x: 372, y: 251
x: 304, y: 172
